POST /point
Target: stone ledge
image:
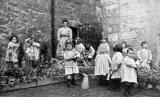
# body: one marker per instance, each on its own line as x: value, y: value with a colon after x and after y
x: 46, y: 80
x: 41, y: 82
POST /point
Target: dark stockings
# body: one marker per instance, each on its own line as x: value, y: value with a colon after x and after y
x: 127, y: 89
x: 115, y: 84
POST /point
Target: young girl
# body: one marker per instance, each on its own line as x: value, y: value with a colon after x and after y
x: 12, y: 51
x: 102, y: 62
x: 12, y: 59
x: 128, y: 73
x: 88, y: 52
x: 71, y: 67
x: 145, y: 57
x: 116, y: 66
x: 79, y: 46
x: 30, y: 57
x: 124, y: 47
x: 36, y: 46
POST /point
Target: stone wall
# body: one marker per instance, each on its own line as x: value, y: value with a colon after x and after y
x: 137, y: 20
x: 23, y: 17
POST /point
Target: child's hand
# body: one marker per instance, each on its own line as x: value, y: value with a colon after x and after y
x: 149, y: 62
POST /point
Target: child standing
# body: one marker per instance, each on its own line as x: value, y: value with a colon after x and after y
x: 12, y: 59
x: 102, y: 62
x: 12, y: 51
x: 124, y: 47
x: 71, y: 68
x: 36, y: 46
x: 128, y: 73
x: 30, y: 57
x: 145, y: 57
x: 116, y: 66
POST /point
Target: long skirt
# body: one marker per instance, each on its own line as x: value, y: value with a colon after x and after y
x: 61, y: 46
x: 101, y: 64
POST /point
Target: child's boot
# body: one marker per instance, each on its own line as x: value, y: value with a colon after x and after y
x: 129, y: 90
x: 100, y: 81
x: 73, y: 80
x: 68, y: 83
x: 126, y: 91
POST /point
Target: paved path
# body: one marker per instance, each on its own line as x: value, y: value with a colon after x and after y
x: 59, y: 90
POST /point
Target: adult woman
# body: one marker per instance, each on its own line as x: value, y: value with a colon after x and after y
x: 64, y: 33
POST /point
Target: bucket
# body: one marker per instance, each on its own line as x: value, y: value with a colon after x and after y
x: 85, y: 82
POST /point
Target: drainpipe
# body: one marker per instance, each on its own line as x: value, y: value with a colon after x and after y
x: 53, y: 37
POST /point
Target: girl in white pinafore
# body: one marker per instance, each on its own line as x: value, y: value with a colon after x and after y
x: 128, y: 72
x: 102, y: 62
x: 116, y: 66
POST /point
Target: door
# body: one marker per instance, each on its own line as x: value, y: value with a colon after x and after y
x: 91, y: 33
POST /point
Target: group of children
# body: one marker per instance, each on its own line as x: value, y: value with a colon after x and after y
x: 20, y: 55
x: 121, y: 69
x: 75, y: 54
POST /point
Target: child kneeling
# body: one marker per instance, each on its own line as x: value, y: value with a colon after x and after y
x: 71, y: 68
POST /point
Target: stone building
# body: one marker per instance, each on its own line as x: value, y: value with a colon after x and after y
x: 133, y: 21
x: 130, y: 20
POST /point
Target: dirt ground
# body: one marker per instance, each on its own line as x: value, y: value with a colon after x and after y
x: 60, y: 90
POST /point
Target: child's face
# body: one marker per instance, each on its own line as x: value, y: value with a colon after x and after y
x: 145, y: 46
x: 65, y: 23
x: 28, y: 44
x: 123, y: 45
x: 130, y: 53
x: 76, y: 41
x: 14, y: 39
x: 69, y: 47
x: 103, y: 40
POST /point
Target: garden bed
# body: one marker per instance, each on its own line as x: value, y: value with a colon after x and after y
x: 53, y: 74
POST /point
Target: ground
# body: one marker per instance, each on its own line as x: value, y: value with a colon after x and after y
x: 59, y: 90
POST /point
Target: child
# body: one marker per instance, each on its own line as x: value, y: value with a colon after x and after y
x: 124, y: 47
x: 78, y: 45
x: 71, y: 67
x: 145, y: 57
x: 102, y: 62
x: 12, y: 58
x: 30, y: 57
x: 36, y: 46
x: 116, y: 66
x: 128, y: 72
x: 12, y: 49
x: 104, y: 45
x: 88, y: 52
x: 29, y: 50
